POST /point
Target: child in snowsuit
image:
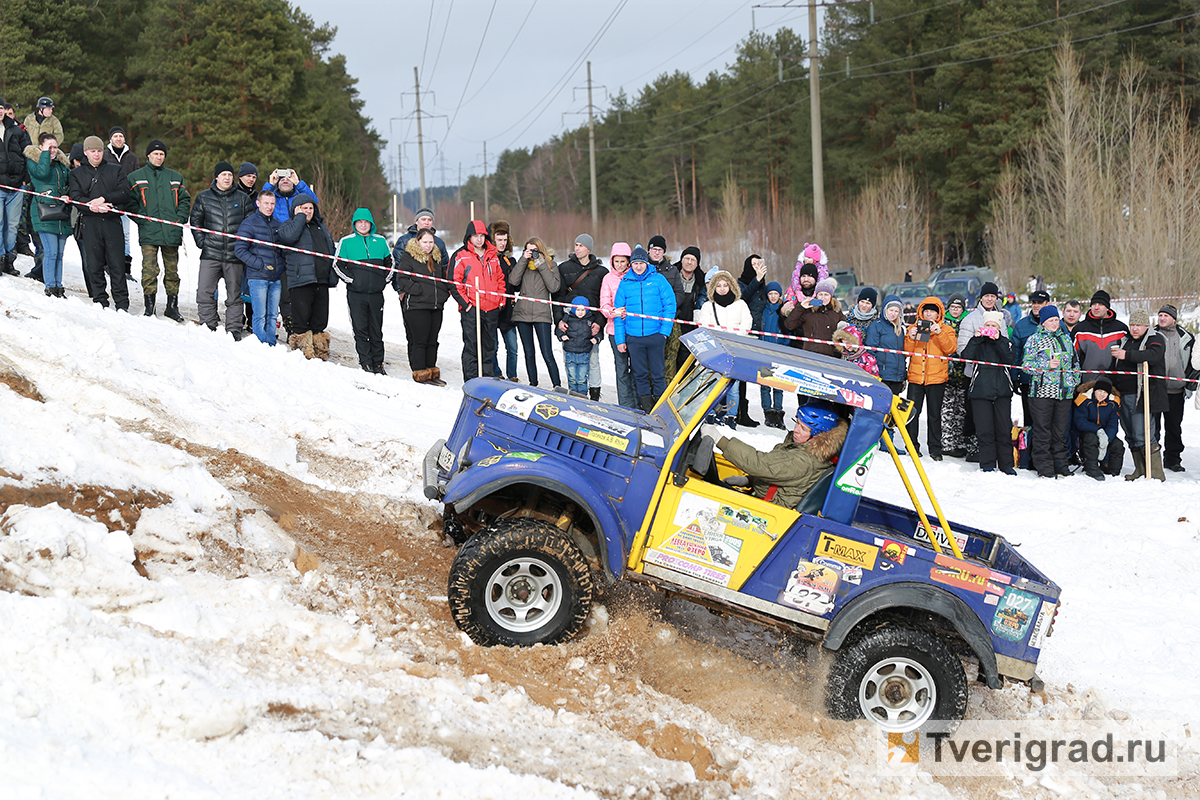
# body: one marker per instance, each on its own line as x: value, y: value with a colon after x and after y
x: 848, y: 341
x: 577, y: 345
x: 772, y: 399
x: 1095, y: 417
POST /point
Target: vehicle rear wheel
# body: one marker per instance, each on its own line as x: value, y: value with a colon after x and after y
x: 453, y: 527
x: 899, y: 678
x: 519, y: 582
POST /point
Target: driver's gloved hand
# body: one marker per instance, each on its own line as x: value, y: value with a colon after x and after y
x: 715, y: 432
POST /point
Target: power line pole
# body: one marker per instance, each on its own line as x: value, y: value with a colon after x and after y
x: 420, y: 140
x: 486, y: 204
x: 818, y: 168
x: 592, y: 148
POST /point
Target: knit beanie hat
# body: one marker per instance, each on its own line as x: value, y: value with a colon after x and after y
x: 585, y: 239
x: 1139, y: 316
x: 423, y: 212
x: 1103, y: 384
x: 989, y: 288
x: 115, y: 129
x: 994, y: 316
x: 691, y: 251
x: 1047, y: 312
x: 639, y: 255
x: 580, y: 301
x: 869, y: 294
x: 809, y: 269
x: 1102, y: 297
x: 811, y: 252
x: 1171, y: 310
x: 93, y: 143
x: 222, y: 166
x: 774, y: 286
x: 827, y: 285
x: 247, y: 169
x: 155, y: 144
x: 893, y: 300
x: 657, y: 241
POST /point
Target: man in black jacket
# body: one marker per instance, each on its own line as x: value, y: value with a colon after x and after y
x: 101, y: 188
x: 1142, y: 345
x: 12, y: 174
x: 221, y: 209
x: 120, y: 153
x: 582, y: 274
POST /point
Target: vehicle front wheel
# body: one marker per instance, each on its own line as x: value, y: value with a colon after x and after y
x: 899, y: 678
x: 519, y: 582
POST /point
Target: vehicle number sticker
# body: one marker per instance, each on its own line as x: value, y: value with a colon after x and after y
x: 1014, y: 614
x: 519, y: 402
x: 811, y: 587
x: 445, y: 459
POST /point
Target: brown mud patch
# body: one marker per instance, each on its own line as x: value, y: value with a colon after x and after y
x: 116, y: 509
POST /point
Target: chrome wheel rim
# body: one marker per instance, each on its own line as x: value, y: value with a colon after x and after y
x: 523, y: 594
x: 898, y: 695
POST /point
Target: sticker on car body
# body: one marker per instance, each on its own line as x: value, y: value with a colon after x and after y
x: 1014, y: 614
x: 811, y: 587
x: 846, y: 550
x: 519, y: 402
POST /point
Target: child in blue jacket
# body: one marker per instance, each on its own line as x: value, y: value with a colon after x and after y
x: 1095, y: 419
x: 768, y: 323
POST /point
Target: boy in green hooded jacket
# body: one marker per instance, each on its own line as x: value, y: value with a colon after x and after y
x: 363, y: 260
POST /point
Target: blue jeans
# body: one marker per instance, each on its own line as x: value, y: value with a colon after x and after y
x: 732, y: 395
x: 626, y: 389
x: 772, y: 399
x: 1133, y: 421
x: 264, y: 297
x: 509, y: 337
x: 52, y: 245
x: 542, y: 329
x: 11, y: 204
x: 577, y: 371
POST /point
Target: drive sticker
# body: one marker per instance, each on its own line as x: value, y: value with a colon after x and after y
x: 811, y: 587
x: 921, y: 536
x: 603, y: 437
x: 893, y: 551
x: 1041, y: 627
x: 487, y: 462
x: 849, y: 574
x: 742, y: 518
x: 959, y: 574
x: 854, y: 479
x: 518, y: 402
x: 597, y: 421
x: 1014, y: 614
x: 846, y: 550
x: 545, y: 410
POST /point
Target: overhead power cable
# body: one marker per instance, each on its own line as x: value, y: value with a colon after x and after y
x: 471, y: 73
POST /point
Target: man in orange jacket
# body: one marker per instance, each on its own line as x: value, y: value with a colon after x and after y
x: 479, y: 260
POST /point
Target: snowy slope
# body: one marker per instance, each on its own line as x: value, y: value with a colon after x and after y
x: 231, y: 673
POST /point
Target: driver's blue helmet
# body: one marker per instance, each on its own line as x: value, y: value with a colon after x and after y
x: 818, y: 415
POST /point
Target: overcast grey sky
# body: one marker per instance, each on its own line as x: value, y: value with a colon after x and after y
x: 518, y: 96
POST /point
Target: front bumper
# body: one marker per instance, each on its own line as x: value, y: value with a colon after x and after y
x: 434, y: 488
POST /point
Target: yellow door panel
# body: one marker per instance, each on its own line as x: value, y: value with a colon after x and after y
x: 714, y: 533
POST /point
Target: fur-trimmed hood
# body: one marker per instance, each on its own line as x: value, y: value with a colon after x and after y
x: 846, y: 335
x: 733, y: 284
x: 33, y: 153
x: 828, y: 444
x: 413, y: 248
x: 1084, y: 391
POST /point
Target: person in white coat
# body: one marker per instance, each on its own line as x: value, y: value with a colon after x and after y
x: 727, y: 310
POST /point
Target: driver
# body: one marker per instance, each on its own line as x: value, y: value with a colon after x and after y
x: 785, y: 474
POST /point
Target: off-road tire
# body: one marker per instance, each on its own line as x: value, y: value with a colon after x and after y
x: 519, y: 582
x: 925, y: 681
x: 453, y: 527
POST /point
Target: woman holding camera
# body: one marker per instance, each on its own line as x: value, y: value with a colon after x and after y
x: 930, y: 339
x: 536, y: 275
x: 817, y: 317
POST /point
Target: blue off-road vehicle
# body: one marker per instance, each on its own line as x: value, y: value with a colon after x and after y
x: 543, y: 490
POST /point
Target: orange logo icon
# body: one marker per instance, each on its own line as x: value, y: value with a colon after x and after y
x: 904, y: 748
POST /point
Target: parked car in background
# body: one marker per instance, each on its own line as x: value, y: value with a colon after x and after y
x: 846, y: 283
x: 984, y: 274
x: 968, y: 285
x: 910, y: 294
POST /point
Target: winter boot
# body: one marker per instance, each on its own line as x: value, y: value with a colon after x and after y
x: 172, y: 311
x: 646, y: 403
x: 129, y: 269
x: 422, y: 375
x: 287, y: 324
x: 745, y: 419
x: 435, y: 376
x: 1156, y: 465
x: 776, y: 420
x: 378, y: 369
x: 1139, y: 464
x: 149, y: 301
x: 48, y: 291
x: 321, y: 345
x: 594, y: 392
x: 6, y: 266
x: 1061, y: 468
x: 60, y: 291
